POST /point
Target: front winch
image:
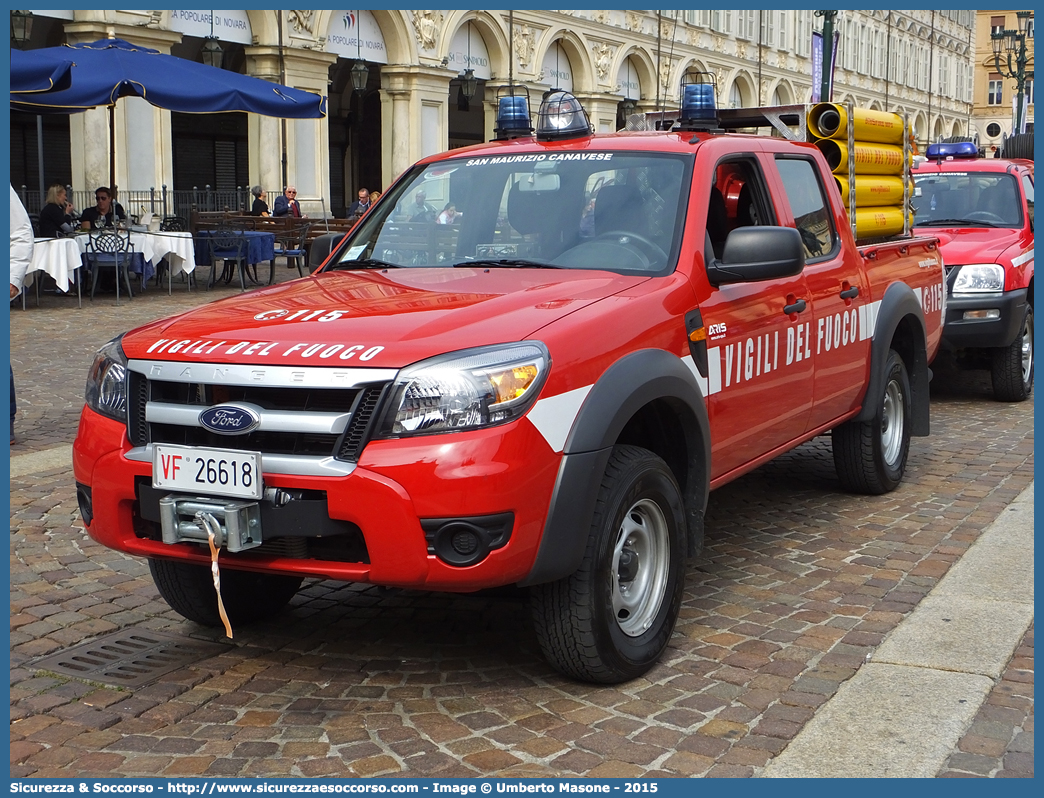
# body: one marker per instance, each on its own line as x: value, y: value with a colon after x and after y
x: 239, y: 521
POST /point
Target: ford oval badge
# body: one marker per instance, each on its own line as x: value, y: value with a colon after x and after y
x: 229, y: 419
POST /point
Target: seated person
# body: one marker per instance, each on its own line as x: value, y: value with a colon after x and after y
x: 421, y: 210
x: 56, y: 216
x: 104, y: 212
x: 260, y: 207
x: 449, y: 214
x: 286, y: 204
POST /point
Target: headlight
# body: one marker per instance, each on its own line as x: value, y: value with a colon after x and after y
x: 979, y: 278
x: 107, y: 382
x: 466, y: 390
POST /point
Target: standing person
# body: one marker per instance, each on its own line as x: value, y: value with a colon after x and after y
x: 103, y: 210
x: 374, y: 196
x: 56, y: 215
x: 286, y: 204
x: 21, y: 257
x: 260, y: 207
x: 361, y: 205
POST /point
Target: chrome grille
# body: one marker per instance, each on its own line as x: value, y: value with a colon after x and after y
x: 307, y: 413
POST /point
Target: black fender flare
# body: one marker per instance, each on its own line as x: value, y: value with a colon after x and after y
x: 623, y: 389
x: 899, y: 302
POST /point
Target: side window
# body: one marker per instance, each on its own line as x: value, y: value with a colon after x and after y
x: 737, y: 199
x: 1027, y: 189
x: 808, y: 205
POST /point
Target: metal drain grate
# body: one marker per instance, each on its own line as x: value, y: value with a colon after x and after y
x: 129, y: 657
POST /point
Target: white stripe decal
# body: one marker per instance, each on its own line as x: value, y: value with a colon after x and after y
x: 700, y: 379
x: 713, y: 370
x: 554, y: 416
x: 920, y: 297
x: 1023, y: 258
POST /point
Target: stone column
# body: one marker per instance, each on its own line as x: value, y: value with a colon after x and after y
x: 414, y: 112
x: 307, y: 141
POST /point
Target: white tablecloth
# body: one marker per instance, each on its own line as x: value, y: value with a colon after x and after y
x: 58, y: 257
x: 175, y: 247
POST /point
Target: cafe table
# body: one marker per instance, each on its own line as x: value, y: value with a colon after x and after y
x: 152, y: 247
x: 58, y: 257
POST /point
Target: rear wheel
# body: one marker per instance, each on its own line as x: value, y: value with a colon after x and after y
x: 1012, y: 366
x: 870, y: 456
x: 248, y: 596
x: 610, y: 620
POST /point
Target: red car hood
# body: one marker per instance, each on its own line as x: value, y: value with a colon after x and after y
x: 382, y: 319
x: 962, y: 245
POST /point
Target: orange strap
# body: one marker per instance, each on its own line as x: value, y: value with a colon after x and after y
x: 209, y: 522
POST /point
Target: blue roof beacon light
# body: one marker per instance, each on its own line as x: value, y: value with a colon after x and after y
x: 561, y: 116
x: 699, y: 106
x: 949, y: 150
x: 512, y: 115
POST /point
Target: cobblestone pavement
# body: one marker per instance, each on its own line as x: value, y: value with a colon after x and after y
x: 1000, y: 740
x: 797, y: 584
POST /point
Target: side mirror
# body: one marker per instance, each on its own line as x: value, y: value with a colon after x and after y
x: 758, y: 253
x: 321, y: 248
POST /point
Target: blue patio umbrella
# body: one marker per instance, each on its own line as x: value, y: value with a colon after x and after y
x: 105, y: 70
x: 32, y: 72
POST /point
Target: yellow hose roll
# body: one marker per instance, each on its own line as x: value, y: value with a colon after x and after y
x: 886, y: 220
x: 870, y: 159
x: 830, y: 121
x: 873, y: 190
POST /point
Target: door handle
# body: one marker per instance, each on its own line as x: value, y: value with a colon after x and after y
x: 850, y: 293
x: 797, y: 307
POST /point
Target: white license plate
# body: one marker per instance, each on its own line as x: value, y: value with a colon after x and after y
x: 198, y: 469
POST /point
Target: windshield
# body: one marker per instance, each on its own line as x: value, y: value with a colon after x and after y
x: 970, y: 199
x: 617, y: 211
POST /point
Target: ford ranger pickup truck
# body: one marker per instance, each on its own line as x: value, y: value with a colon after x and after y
x: 982, y: 211
x: 540, y: 394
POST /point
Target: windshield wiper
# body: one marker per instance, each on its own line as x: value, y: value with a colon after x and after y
x: 954, y: 223
x: 507, y: 263
x: 365, y: 263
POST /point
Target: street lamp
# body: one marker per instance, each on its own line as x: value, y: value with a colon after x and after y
x: 360, y: 73
x: 211, y: 49
x: 21, y: 26
x: 1012, y: 44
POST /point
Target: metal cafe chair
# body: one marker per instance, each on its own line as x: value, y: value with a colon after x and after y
x: 107, y: 248
x: 293, y: 247
x: 229, y: 246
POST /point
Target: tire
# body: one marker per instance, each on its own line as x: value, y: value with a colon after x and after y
x: 248, y: 596
x: 1012, y: 367
x: 870, y: 456
x: 595, y: 626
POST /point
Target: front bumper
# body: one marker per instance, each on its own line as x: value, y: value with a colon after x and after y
x: 980, y: 333
x: 386, y: 505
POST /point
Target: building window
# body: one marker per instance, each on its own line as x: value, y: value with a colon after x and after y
x: 995, y: 91
x: 1029, y: 90
x: 996, y: 25
x: 745, y: 26
x: 993, y: 130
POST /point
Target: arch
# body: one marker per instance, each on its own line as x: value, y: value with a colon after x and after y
x: 784, y: 91
x: 920, y: 126
x: 579, y: 57
x: 485, y: 25
x: 395, y: 28
x: 741, y: 83
x: 876, y: 105
x: 956, y: 128
x: 937, y: 129
x: 643, y: 65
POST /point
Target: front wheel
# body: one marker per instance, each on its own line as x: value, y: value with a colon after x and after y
x: 1012, y: 366
x: 870, y: 456
x: 248, y: 596
x: 611, y: 620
